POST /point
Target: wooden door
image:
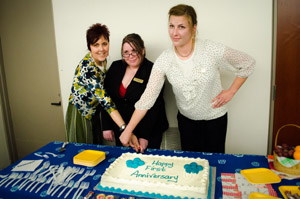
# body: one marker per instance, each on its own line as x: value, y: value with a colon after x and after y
x: 287, y: 101
x: 30, y: 63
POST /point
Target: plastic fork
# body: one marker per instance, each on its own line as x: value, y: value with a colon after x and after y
x: 26, y: 181
x: 77, y: 170
x: 13, y: 175
x: 40, y: 179
x: 25, y: 177
x: 16, y: 178
x: 54, y: 155
x: 76, y: 185
x: 87, y: 174
x: 47, y: 182
x: 43, y: 156
x: 31, y: 178
x: 48, y: 171
x: 64, y: 184
x: 83, y: 186
x: 45, y: 166
x: 87, y: 184
x: 34, y: 180
x: 69, y: 185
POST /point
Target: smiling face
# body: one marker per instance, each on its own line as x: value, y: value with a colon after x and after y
x: 180, y: 30
x: 99, y: 50
x: 131, y: 55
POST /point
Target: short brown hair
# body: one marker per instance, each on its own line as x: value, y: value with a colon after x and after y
x: 184, y: 10
x: 135, y: 41
x: 95, y: 32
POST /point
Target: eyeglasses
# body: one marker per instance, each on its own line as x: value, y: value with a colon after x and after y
x: 126, y: 54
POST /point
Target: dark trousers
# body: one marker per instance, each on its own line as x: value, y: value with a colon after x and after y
x: 202, y: 135
x: 97, y: 126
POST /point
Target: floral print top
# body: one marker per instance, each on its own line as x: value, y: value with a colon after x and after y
x: 87, y: 90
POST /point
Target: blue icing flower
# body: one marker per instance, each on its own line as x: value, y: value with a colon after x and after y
x: 138, y: 161
x: 193, y: 168
x: 188, y: 170
x: 135, y: 163
x: 193, y: 165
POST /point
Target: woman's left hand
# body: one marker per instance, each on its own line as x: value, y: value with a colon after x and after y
x: 223, y: 98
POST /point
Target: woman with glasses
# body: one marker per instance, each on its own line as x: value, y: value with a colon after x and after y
x: 125, y: 82
x: 88, y: 96
x: 192, y: 67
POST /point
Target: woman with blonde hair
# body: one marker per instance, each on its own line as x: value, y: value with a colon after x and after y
x: 192, y: 66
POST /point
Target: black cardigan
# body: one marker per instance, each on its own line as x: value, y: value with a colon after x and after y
x: 155, y: 121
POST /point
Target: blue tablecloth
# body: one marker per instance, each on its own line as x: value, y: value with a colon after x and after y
x: 224, y: 163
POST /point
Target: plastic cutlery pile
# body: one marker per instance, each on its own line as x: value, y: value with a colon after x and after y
x: 60, y: 180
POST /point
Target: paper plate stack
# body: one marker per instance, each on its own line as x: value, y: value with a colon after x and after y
x: 89, y: 158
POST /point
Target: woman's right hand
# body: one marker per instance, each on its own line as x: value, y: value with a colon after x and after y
x: 134, y: 143
x: 125, y: 137
x: 108, y: 135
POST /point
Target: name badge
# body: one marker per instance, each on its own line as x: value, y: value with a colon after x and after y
x: 138, y: 80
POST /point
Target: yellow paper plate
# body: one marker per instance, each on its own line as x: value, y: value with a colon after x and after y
x: 261, y: 196
x: 89, y: 158
x: 292, y: 189
x: 260, y: 176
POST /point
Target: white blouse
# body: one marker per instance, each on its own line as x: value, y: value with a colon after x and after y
x: 194, y: 91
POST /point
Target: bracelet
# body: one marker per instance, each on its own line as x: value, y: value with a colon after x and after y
x: 122, y: 128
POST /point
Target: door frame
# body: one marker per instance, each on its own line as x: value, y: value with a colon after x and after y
x: 7, y: 121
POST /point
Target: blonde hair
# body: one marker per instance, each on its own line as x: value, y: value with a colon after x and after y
x: 184, y: 10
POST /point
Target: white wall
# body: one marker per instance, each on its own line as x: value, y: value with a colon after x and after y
x: 245, y: 25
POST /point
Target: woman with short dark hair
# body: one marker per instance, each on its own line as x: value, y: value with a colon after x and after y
x: 88, y: 95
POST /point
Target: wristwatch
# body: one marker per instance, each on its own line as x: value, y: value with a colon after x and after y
x: 122, y: 128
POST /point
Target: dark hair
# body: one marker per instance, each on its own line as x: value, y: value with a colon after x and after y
x: 136, y: 42
x: 184, y: 10
x: 95, y: 32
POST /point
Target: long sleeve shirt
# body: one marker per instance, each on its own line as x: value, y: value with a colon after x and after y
x: 87, y: 90
x: 155, y: 121
x: 194, y: 92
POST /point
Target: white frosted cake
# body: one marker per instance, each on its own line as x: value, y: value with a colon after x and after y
x: 157, y: 176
